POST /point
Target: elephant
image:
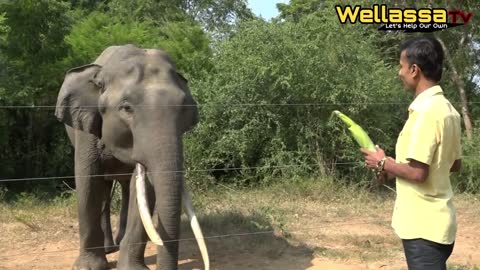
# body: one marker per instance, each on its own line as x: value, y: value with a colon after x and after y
x: 125, y: 115
x: 112, y: 243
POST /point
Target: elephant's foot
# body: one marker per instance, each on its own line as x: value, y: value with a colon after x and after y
x: 90, y: 261
x: 111, y: 249
x: 124, y: 263
x: 119, y: 236
x: 110, y: 246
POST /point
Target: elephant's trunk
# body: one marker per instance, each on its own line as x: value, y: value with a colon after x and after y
x: 165, y: 171
x: 164, y: 166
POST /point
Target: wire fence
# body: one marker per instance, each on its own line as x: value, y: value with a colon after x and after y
x: 33, y: 106
x: 178, y: 171
x: 247, y: 234
x: 220, y: 236
x: 359, y: 164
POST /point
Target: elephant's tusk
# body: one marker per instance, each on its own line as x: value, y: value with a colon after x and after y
x: 197, y: 231
x: 143, y: 206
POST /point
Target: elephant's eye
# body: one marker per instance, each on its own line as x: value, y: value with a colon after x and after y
x: 126, y: 107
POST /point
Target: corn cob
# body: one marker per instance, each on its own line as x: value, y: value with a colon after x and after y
x: 360, y: 136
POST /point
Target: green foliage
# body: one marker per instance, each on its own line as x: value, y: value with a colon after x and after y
x: 218, y: 17
x: 188, y: 45
x: 3, y: 28
x: 94, y: 33
x: 296, y: 9
x: 155, y: 11
x: 185, y: 41
x: 31, y: 51
x: 32, y: 35
x: 244, y: 73
x: 467, y: 179
x: 85, y: 4
x: 314, y: 61
x: 36, y: 29
x: 461, y: 267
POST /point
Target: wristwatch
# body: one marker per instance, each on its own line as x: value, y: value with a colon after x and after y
x: 381, y: 164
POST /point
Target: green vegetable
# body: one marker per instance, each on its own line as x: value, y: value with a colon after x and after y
x: 357, y: 132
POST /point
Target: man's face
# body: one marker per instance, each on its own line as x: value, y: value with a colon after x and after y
x: 407, y: 73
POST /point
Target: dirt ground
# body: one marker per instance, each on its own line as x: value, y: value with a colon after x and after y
x: 341, y: 240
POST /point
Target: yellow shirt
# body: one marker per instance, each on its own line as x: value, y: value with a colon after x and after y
x: 431, y: 135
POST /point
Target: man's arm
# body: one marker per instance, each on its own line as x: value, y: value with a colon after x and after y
x: 413, y: 171
x: 457, y: 165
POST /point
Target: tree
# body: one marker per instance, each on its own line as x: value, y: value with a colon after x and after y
x: 296, y: 9
x: 157, y: 12
x: 218, y: 17
x: 460, y: 81
x: 40, y: 40
x: 185, y: 41
x: 250, y: 118
x: 31, y: 51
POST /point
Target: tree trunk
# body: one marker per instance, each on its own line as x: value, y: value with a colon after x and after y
x: 461, y: 90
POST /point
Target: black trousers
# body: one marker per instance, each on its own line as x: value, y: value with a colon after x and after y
x: 422, y: 254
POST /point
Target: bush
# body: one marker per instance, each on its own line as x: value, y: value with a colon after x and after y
x: 468, y: 179
x: 246, y: 120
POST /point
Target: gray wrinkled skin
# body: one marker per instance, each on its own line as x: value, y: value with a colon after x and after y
x: 126, y: 108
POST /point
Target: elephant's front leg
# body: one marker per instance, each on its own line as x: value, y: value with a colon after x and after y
x: 122, y: 220
x: 90, y: 198
x: 132, y: 246
x: 110, y: 245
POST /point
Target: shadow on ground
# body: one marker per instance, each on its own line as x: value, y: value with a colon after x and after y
x: 237, y: 241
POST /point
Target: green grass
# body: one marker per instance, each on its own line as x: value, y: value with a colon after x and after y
x: 33, y: 208
x: 313, y: 217
x: 462, y: 267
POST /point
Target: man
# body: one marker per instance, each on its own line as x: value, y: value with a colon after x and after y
x: 427, y: 150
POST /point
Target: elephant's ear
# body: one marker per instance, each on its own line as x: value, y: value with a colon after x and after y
x: 77, y: 103
x: 191, y: 110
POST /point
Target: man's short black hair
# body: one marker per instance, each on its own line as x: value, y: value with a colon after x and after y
x: 427, y: 53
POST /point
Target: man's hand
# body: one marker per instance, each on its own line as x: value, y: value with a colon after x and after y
x: 372, y: 158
